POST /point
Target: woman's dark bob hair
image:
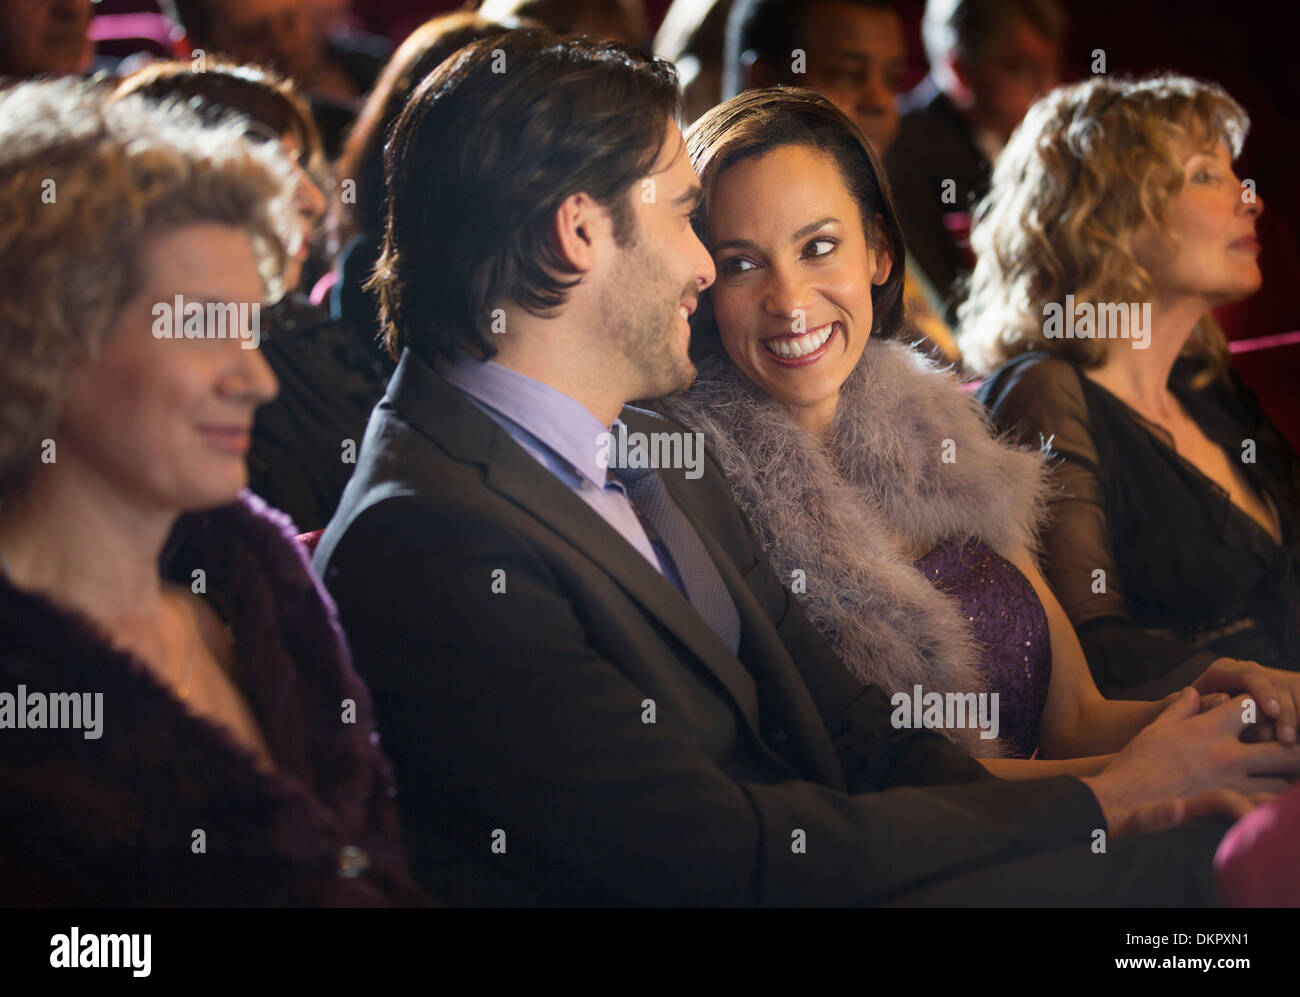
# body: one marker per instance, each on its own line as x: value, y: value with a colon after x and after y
x: 758, y: 121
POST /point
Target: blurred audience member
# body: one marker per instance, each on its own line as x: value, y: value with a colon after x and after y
x: 610, y: 20
x: 852, y: 52
x: 334, y: 70
x: 207, y: 763
x: 357, y: 215
x: 332, y: 16
x: 692, y: 37
x: 304, y: 442
x: 1114, y: 224
x: 45, y: 36
x: 276, y: 111
x: 989, y: 60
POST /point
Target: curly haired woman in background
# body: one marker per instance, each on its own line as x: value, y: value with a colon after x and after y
x: 224, y: 750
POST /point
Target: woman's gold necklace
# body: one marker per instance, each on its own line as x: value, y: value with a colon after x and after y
x: 182, y: 689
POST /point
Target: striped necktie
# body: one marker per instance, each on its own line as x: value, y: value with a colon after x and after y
x: 670, y: 532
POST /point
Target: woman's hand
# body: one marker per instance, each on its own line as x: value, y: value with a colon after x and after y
x: 1187, y: 763
x: 1276, y: 692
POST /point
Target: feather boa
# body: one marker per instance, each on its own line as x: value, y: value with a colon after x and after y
x: 850, y: 512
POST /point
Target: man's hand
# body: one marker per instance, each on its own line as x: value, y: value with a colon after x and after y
x: 1166, y: 814
x: 1189, y: 764
x: 1277, y: 692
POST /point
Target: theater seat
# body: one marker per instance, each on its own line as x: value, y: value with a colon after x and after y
x: 310, y: 540
x: 1258, y: 861
x: 1270, y: 366
x: 120, y: 35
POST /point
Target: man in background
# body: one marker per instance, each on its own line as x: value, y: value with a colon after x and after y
x: 989, y: 61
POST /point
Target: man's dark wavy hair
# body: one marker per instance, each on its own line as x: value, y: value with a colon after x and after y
x: 488, y: 148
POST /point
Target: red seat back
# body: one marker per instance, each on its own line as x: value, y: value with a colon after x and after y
x: 310, y: 540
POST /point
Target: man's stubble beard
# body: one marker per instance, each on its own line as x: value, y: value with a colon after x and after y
x: 638, y: 313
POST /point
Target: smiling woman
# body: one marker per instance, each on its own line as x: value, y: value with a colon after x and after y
x: 130, y: 564
x: 330, y: 373
x: 791, y: 304
x: 870, y: 476
x: 811, y: 277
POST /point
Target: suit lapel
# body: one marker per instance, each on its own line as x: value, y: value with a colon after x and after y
x: 515, y: 475
x: 445, y: 415
x: 771, y: 664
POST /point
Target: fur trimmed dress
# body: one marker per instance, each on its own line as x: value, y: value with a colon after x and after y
x: 166, y: 808
x: 910, y: 466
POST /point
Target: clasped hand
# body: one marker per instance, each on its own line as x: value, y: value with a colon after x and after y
x: 1198, y: 760
x: 1276, y: 695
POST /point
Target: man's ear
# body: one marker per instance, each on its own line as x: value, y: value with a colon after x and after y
x: 577, y: 228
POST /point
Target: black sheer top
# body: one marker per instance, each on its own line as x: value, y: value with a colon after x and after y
x: 1158, y: 570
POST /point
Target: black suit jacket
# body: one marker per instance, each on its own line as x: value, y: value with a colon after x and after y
x: 517, y: 714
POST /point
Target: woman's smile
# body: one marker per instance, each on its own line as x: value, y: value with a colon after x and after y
x: 793, y: 299
x: 801, y: 349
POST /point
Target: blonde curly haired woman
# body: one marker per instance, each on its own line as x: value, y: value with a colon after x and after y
x: 1115, y: 223
x: 186, y: 726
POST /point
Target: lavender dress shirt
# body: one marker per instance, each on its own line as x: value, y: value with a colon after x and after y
x: 561, y: 435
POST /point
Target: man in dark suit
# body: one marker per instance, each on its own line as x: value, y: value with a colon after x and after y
x: 592, y: 685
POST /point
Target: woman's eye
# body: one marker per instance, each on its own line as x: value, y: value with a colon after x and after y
x: 1204, y: 176
x: 736, y: 264
x: 828, y: 245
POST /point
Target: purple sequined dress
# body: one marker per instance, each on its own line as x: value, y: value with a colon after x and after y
x: 1007, y: 620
